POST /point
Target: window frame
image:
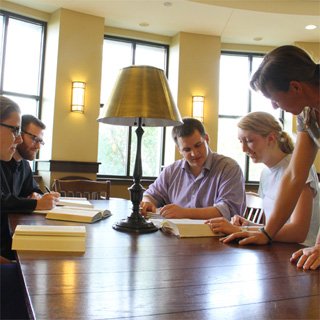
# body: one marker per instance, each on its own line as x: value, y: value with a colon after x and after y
x: 7, y: 15
x: 134, y: 43
x: 38, y: 98
x: 250, y: 56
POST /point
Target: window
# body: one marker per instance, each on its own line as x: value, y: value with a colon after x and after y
x: 235, y: 100
x: 22, y: 55
x: 117, y: 144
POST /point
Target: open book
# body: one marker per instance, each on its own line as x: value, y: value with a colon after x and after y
x: 74, y: 202
x: 184, y: 228
x: 49, y: 238
x: 86, y: 215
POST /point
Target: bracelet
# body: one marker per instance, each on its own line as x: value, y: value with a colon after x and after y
x: 244, y: 228
x: 262, y: 230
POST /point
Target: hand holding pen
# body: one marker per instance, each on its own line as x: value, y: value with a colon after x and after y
x: 48, y: 200
x: 56, y: 194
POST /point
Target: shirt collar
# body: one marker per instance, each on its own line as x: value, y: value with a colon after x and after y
x: 207, y: 165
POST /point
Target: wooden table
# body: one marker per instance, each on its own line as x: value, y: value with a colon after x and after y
x: 156, y: 276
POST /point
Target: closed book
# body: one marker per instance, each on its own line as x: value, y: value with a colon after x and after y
x: 85, y: 215
x: 186, y: 228
x: 49, y: 238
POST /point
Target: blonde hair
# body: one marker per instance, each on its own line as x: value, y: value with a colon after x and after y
x: 264, y: 123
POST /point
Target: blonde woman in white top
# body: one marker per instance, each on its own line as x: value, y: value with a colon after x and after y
x: 264, y: 141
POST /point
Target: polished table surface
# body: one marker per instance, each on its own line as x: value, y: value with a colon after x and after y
x: 157, y: 276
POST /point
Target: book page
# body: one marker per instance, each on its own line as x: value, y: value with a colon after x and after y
x: 74, y: 203
x: 69, y: 208
x: 154, y: 215
x: 73, y: 198
x: 86, y: 215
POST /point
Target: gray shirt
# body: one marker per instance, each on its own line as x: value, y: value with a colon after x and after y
x: 307, y: 121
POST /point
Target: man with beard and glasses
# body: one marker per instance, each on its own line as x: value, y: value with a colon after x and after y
x: 20, y: 192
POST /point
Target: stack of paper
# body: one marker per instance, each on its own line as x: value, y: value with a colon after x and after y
x: 49, y: 238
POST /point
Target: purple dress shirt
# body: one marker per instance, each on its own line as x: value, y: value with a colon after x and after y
x: 220, y: 184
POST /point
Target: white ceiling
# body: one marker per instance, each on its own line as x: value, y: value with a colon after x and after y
x: 277, y: 22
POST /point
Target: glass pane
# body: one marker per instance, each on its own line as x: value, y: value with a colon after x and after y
x: 150, y: 151
x: 258, y: 101
x: 113, y: 140
x: 169, y: 156
x: 151, y: 56
x: 116, y: 55
x: 113, y: 149
x: 234, y: 85
x: 27, y: 105
x: 23, y: 56
x: 228, y: 132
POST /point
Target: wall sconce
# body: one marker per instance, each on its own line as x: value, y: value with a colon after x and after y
x: 197, y: 107
x: 78, y: 91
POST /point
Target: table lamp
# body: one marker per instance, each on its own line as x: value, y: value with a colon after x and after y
x: 140, y: 97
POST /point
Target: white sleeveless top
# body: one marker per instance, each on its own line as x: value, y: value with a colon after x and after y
x: 268, y: 190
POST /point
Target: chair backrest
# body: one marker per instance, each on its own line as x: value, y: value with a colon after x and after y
x: 254, y: 210
x: 92, y: 190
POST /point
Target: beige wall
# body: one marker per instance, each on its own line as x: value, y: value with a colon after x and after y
x: 198, y: 74
x: 74, y: 53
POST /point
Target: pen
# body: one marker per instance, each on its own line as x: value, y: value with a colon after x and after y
x: 48, y: 190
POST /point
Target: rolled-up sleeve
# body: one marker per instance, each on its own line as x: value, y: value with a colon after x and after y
x: 230, y: 197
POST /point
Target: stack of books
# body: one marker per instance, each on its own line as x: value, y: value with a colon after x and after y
x: 49, y: 238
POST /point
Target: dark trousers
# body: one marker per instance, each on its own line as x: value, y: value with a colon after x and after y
x: 13, y: 303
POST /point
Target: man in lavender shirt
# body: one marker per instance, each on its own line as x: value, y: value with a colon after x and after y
x: 202, y: 185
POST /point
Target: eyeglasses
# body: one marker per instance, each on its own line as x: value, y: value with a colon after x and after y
x: 34, y: 138
x: 15, y: 130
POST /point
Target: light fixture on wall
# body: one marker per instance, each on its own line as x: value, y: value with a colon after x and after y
x: 78, y: 93
x: 141, y: 97
x: 197, y: 107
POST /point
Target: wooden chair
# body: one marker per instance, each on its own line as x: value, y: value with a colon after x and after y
x: 254, y: 210
x: 92, y: 190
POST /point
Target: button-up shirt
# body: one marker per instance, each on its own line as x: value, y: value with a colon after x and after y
x: 220, y: 184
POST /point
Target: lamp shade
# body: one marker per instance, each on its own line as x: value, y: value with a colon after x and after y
x: 141, y: 92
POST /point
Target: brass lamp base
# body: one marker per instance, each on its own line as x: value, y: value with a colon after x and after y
x: 133, y: 225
